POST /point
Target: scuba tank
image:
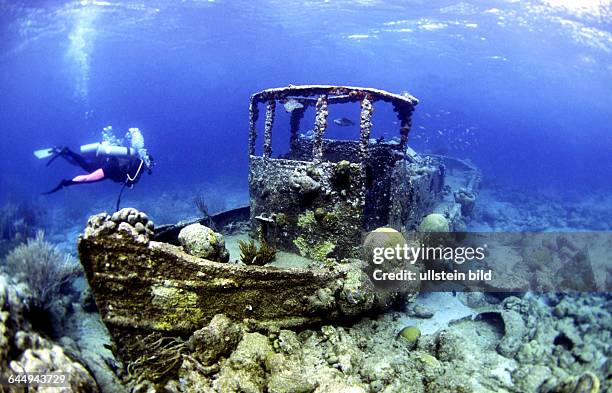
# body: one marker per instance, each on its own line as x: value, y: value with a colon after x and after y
x: 106, y: 150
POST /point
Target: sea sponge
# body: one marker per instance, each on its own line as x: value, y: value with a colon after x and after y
x: 434, y: 223
x: 306, y: 220
x: 304, y: 182
x: 317, y: 251
x: 342, y: 173
x: 203, y: 242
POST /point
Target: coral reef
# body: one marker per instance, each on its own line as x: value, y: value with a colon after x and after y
x: 375, y: 355
x: 203, y: 242
x: 23, y: 350
x: 365, y: 358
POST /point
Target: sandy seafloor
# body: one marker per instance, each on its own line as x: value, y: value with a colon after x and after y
x: 478, y: 364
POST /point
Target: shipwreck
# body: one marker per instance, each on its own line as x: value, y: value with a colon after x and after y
x: 318, y: 201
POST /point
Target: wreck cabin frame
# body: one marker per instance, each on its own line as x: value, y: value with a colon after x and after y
x: 321, y: 96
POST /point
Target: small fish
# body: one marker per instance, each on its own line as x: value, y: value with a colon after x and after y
x: 292, y: 104
x: 344, y: 122
x: 440, y: 149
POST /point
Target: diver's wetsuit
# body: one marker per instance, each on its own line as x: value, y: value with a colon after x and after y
x: 120, y: 170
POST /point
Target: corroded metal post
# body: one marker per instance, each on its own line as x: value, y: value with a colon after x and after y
x: 253, y: 116
x: 404, y: 130
x: 319, y: 129
x: 267, y: 146
x: 365, y: 126
x: 294, y: 123
x: 405, y: 117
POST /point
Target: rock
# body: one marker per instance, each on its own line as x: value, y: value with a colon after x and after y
x: 87, y: 300
x: 41, y: 356
x: 140, y: 228
x: 467, y: 201
x: 376, y: 386
x: 419, y: 311
x: 586, y: 383
x: 193, y: 378
x: 203, y: 242
x: 448, y: 346
x: 343, y: 388
x: 244, y: 370
x: 528, y: 378
x: 434, y: 223
x: 219, y: 338
x: 286, y: 374
x: 514, y: 328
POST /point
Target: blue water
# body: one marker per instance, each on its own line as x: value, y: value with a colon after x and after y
x: 522, y: 89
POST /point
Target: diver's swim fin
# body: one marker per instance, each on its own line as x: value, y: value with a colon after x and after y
x: 44, y: 153
x: 56, y: 152
x: 62, y: 184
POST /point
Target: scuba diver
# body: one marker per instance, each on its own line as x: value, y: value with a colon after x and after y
x: 108, y: 159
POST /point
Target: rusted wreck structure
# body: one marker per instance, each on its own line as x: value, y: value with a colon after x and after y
x: 347, y: 186
x: 317, y: 200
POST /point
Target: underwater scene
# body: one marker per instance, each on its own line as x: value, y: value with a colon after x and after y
x: 312, y: 196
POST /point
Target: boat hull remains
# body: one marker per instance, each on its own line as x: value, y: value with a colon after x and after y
x: 145, y: 287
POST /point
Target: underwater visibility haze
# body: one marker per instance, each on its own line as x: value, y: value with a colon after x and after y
x: 508, y: 108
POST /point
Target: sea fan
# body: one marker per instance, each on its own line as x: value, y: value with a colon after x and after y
x: 43, y: 267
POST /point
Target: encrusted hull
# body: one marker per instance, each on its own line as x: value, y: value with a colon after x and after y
x: 144, y: 287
